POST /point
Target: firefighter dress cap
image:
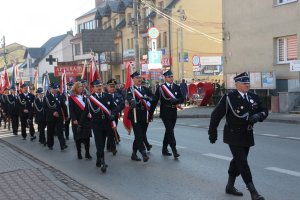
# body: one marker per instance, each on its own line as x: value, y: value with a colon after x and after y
x: 13, y: 88
x: 96, y: 82
x: 111, y: 82
x: 168, y: 73
x: 24, y: 85
x: 39, y: 91
x: 83, y: 81
x: 135, y: 74
x: 54, y: 85
x: 242, y: 78
x: 70, y: 84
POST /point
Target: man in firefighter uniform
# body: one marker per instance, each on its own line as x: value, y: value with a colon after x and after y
x: 170, y: 98
x: 25, y: 104
x: 40, y: 115
x: 242, y: 110
x: 13, y: 109
x: 139, y: 98
x: 101, y: 109
x: 55, y: 109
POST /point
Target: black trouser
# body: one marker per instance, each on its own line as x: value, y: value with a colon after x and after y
x: 41, y: 130
x: 145, y: 139
x: 111, y: 141
x: 15, y: 123
x: 139, y: 129
x: 100, y: 134
x: 53, y: 127
x: 26, y: 120
x: 169, y: 138
x: 67, y: 127
x: 239, y: 164
x: 86, y: 142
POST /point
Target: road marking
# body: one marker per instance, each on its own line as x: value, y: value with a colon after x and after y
x: 294, y: 138
x: 7, y: 135
x: 284, y: 171
x: 270, y: 135
x: 218, y: 156
x: 153, y: 142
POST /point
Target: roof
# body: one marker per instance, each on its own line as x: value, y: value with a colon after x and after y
x: 103, y: 12
x: 128, y: 3
x: 116, y: 6
x: 40, y: 53
x: 170, y: 5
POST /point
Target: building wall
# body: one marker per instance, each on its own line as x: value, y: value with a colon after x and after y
x: 250, y: 32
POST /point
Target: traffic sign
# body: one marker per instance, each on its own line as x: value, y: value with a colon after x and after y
x: 154, y: 60
x: 153, y: 32
x: 196, y: 60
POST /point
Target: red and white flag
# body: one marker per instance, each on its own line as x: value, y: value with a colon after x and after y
x: 128, y: 84
x: 5, y: 80
x: 94, y: 72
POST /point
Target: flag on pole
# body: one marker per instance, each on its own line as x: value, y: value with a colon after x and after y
x: 46, y: 82
x: 20, y: 84
x: 5, y: 80
x: 84, y: 71
x: 13, y: 75
x: 126, y: 121
x: 94, y: 73
x: 36, y: 77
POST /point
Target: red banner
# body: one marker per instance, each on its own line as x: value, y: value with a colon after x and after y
x: 71, y: 71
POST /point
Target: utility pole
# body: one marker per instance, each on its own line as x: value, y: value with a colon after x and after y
x: 4, y: 51
x: 182, y: 18
x: 136, y: 35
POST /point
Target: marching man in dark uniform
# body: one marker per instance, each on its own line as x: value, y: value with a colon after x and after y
x: 13, y: 109
x: 114, y: 138
x: 40, y: 115
x: 170, y: 98
x: 4, y: 106
x: 68, y: 120
x: 242, y: 110
x: 139, y: 98
x: 101, y: 109
x: 25, y: 104
x: 55, y: 107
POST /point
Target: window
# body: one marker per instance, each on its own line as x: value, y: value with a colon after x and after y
x: 287, y: 49
x: 129, y: 17
x: 165, y: 39
x: 131, y: 43
x: 159, y: 41
x: 279, y: 2
x: 77, y: 49
x: 128, y: 43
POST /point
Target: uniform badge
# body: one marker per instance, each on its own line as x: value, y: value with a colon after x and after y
x: 251, y: 101
x: 175, y: 93
x: 242, y: 107
x: 117, y: 100
x: 56, y: 99
x: 108, y: 103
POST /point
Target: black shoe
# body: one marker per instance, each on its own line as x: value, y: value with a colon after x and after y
x: 135, y: 157
x: 24, y: 138
x: 79, y: 156
x: 15, y: 133
x: 145, y: 158
x: 50, y: 148
x: 88, y: 156
x: 32, y: 138
x: 175, y: 153
x: 45, y: 144
x: 166, y: 153
x: 149, y: 147
x: 114, y: 152
x: 232, y: 190
x: 64, y: 147
x: 103, y: 167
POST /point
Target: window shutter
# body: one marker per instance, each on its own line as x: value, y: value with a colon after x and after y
x: 281, y: 49
x: 292, y: 48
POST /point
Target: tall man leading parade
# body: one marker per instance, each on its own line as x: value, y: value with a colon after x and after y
x: 139, y: 98
x: 170, y: 98
x: 55, y: 108
x: 25, y: 104
x: 242, y: 110
x: 101, y: 109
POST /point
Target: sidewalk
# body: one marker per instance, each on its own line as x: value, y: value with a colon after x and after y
x: 204, y: 112
x: 24, y: 177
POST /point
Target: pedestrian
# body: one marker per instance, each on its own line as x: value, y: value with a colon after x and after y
x: 170, y: 97
x: 101, y: 108
x: 25, y: 104
x: 56, y: 110
x: 40, y: 115
x: 184, y: 90
x: 76, y: 106
x: 13, y: 109
x: 139, y: 98
x: 242, y: 110
x: 4, y: 105
x: 114, y: 137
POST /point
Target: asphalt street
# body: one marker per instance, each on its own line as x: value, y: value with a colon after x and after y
x: 200, y: 172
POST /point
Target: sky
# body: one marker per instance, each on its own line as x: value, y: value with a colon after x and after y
x: 32, y: 22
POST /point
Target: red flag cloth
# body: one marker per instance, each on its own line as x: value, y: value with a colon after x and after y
x: 126, y: 121
x: 128, y: 78
x: 5, y: 80
x: 94, y: 73
x: 20, y: 85
x: 84, y: 72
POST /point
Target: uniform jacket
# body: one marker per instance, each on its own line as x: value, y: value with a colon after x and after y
x: 119, y: 101
x: 168, y: 109
x: 237, y: 130
x: 55, y: 104
x: 25, y: 102
x: 141, y: 110
x: 13, y: 109
x: 99, y: 118
x: 40, y: 114
x: 4, y: 103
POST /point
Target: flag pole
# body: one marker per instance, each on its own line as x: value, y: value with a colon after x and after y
x: 133, y: 95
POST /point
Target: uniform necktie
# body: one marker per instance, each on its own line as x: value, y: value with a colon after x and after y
x: 246, y: 99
